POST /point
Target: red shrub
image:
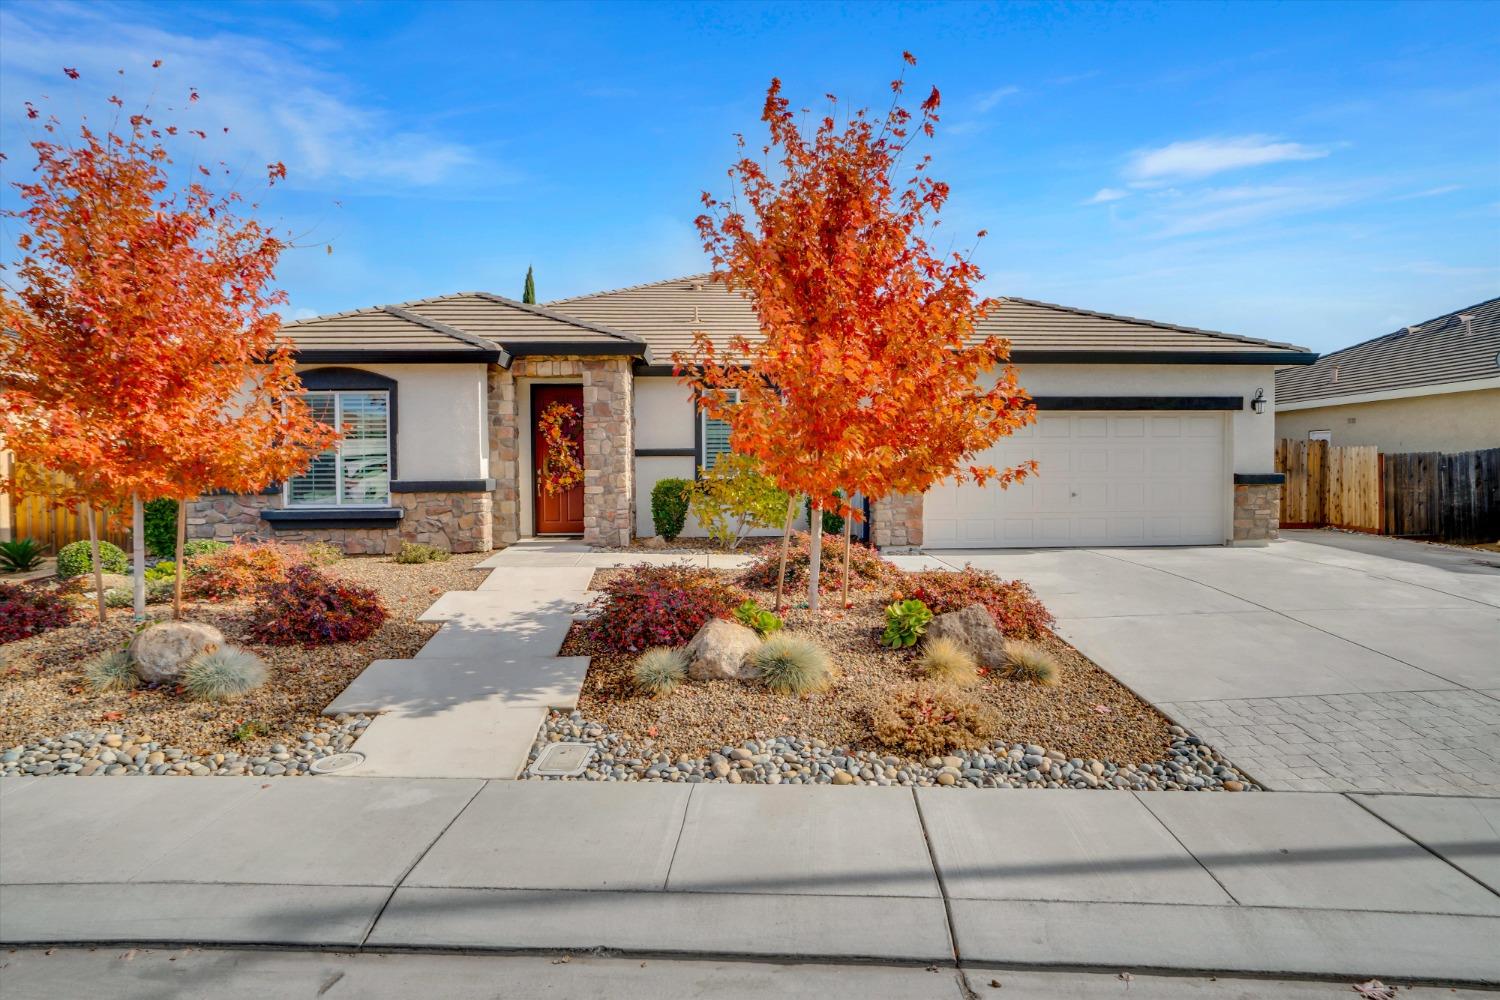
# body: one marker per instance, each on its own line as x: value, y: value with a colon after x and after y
x: 241, y: 569
x: 647, y: 606
x: 26, y: 611
x: 866, y: 568
x: 1017, y: 611
x: 308, y: 608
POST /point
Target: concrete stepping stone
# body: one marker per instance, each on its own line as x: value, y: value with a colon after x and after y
x: 501, y: 610
x: 472, y: 740
x: 433, y: 683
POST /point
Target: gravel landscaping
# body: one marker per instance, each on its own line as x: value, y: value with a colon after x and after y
x: 49, y: 714
x: 1189, y: 764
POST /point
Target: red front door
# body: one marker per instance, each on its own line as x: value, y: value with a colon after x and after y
x: 556, y: 513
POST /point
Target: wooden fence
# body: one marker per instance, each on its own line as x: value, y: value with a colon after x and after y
x: 1446, y: 497
x: 1449, y: 497
x: 37, y: 517
x: 1329, y: 486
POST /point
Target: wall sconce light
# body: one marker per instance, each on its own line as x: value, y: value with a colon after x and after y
x: 1258, y: 401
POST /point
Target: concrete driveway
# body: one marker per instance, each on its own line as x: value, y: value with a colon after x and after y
x: 1324, y: 661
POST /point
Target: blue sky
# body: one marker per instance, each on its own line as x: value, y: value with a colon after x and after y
x: 1319, y: 173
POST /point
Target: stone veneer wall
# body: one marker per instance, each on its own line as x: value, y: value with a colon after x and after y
x: 896, y: 522
x: 1257, y: 512
x: 608, y: 444
x: 458, y: 522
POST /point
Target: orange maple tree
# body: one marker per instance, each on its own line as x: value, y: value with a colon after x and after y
x: 868, y: 375
x: 142, y: 357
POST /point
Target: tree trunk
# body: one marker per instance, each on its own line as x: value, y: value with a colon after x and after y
x: 848, y: 528
x: 138, y: 553
x: 88, y: 512
x: 786, y: 541
x: 181, y: 539
x: 814, y: 555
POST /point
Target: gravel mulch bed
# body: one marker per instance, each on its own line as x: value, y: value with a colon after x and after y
x: 1188, y: 765
x: 1087, y: 714
x: 46, y: 701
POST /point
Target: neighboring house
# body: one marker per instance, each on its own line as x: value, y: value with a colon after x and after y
x: 1430, y: 387
x: 1148, y: 433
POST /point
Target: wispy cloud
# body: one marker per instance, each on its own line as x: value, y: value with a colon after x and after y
x: 1432, y: 192
x: 1104, y: 195
x: 1177, y: 213
x: 276, y: 105
x: 990, y: 99
x: 1196, y: 159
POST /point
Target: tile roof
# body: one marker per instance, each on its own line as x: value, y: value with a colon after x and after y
x: 665, y: 314
x: 1439, y: 351
x: 468, y: 325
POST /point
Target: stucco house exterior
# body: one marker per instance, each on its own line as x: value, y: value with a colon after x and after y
x: 1434, y: 386
x: 1147, y: 433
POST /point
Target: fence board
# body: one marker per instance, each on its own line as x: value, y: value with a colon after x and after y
x: 1469, y: 496
x: 1329, y: 486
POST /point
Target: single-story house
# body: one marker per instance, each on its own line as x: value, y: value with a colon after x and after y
x: 1434, y: 386
x: 1148, y: 433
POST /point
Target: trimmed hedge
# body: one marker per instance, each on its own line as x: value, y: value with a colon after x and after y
x: 669, y: 506
x: 74, y: 559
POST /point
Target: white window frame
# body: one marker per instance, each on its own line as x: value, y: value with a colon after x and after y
x: 703, y: 419
x: 338, y: 502
x: 1321, y: 435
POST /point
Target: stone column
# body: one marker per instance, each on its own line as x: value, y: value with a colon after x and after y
x: 608, y: 451
x: 505, y: 456
x: 896, y: 521
x: 1257, y: 513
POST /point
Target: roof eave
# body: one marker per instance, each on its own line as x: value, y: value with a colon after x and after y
x: 358, y: 356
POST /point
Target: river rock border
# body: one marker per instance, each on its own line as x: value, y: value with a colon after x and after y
x: 1190, y: 765
x: 112, y: 751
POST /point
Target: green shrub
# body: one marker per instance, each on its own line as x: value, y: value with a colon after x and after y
x: 161, y: 526
x: 658, y: 671
x: 927, y: 719
x: 1029, y: 661
x: 246, y: 730
x: 905, y: 622
x: 224, y: 673
x: 201, y: 547
x: 734, y: 497
x: 790, y: 664
x: 164, y: 570
x: 119, y: 597
x: 73, y: 559
x: 945, y: 660
x: 669, y: 506
x: 414, y: 552
x: 160, y: 591
x: 752, y: 615
x: 20, y: 555
x: 111, y: 671
x: 833, y: 524
x: 323, y: 553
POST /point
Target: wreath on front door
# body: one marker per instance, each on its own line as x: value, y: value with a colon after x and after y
x: 561, y: 470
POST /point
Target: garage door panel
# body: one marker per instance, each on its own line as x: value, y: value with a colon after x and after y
x: 1102, y: 479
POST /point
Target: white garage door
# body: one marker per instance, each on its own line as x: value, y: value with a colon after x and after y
x: 1103, y: 478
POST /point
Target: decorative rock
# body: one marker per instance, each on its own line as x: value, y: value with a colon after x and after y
x: 974, y: 630
x: 843, y: 778
x: 162, y: 651
x: 720, y: 651
x: 654, y: 542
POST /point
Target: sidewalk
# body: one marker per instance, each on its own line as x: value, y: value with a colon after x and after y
x: 1397, y: 887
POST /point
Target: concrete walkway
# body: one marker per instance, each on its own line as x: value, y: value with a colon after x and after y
x: 1303, y: 885
x: 1325, y: 661
x: 469, y: 704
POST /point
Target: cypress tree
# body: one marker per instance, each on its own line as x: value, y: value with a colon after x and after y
x: 528, y: 294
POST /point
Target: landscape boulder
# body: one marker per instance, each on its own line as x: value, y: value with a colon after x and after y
x: 974, y: 630
x: 721, y: 651
x: 162, y: 651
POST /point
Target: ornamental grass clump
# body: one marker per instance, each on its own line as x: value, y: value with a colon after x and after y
x: 659, y: 671
x: 112, y: 671
x: 947, y: 662
x: 926, y: 718
x: 308, y: 608
x: 1029, y: 661
x: 223, y: 674
x: 1014, y: 606
x: 646, y: 606
x: 790, y: 664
